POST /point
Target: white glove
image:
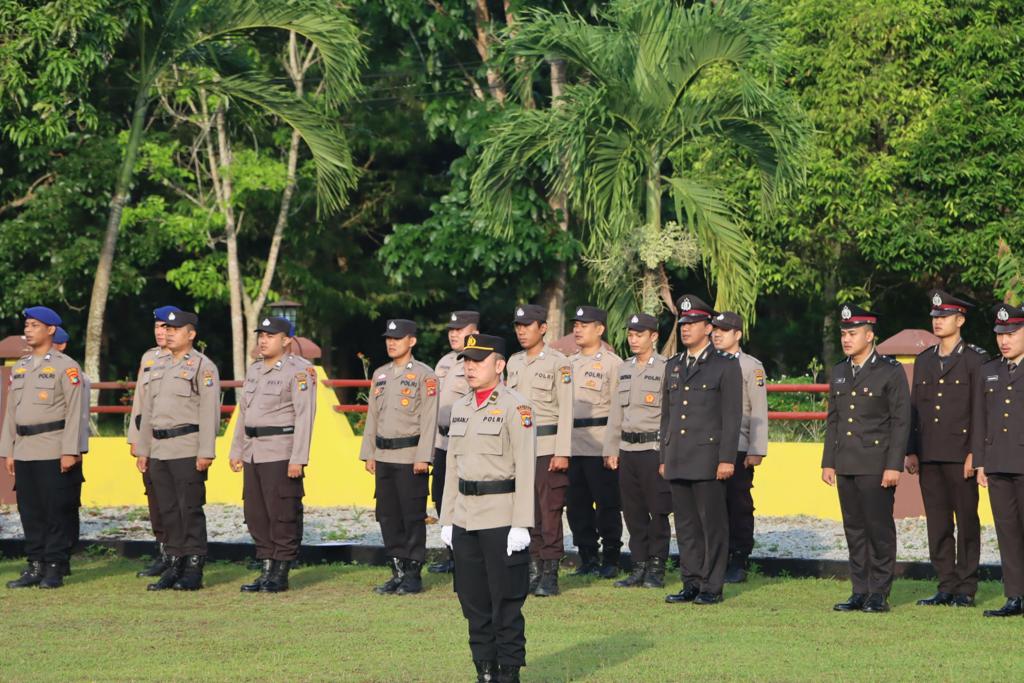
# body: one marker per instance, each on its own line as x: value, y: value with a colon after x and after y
x: 446, y: 535
x: 518, y: 539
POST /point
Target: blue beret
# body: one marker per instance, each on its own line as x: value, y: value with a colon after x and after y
x: 46, y: 316
x: 162, y: 312
x: 61, y: 337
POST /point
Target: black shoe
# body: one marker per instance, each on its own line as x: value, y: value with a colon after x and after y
x: 486, y: 670
x: 736, y: 570
x: 1014, y: 607
x: 589, y: 566
x: 963, y: 600
x: 854, y: 603
x: 53, y: 575
x: 508, y: 673
x: 158, y: 566
x: 635, y: 578
x: 191, y: 574
x: 548, y: 586
x: 609, y: 564
x: 277, y: 582
x: 655, y: 576
x: 446, y: 566
x: 31, y: 576
x: 535, y: 573
x: 939, y: 598
x: 687, y: 594
x: 392, y: 584
x: 875, y: 604
x: 265, y: 568
x: 170, y: 575
x: 412, y: 582
x: 708, y: 599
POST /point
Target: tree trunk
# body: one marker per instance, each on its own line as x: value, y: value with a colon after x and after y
x: 554, y: 293
x: 483, y: 48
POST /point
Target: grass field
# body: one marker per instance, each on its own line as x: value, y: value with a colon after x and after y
x: 104, y: 626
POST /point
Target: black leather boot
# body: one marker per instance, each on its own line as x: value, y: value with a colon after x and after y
x: 686, y: 594
x: 397, y: 572
x: 486, y: 670
x: 257, y: 584
x: 877, y: 603
x: 159, y: 564
x: 609, y: 564
x: 53, y: 575
x: 940, y: 598
x: 1014, y: 607
x: 589, y: 565
x: 655, y: 576
x: 548, y: 586
x: 508, y: 673
x: 854, y: 603
x: 412, y: 582
x: 170, y: 575
x: 736, y: 569
x: 277, y: 582
x: 31, y: 576
x: 192, y: 574
x: 635, y: 578
x: 534, y: 574
x: 445, y: 566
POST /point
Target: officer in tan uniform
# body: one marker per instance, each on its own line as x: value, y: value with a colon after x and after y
x: 488, y: 509
x: 631, y: 442
x: 593, y: 480
x: 40, y: 444
x: 398, y: 447
x: 451, y: 376
x: 271, y: 446
x: 542, y: 374
x: 176, y: 443
x: 60, y: 342
x: 150, y: 358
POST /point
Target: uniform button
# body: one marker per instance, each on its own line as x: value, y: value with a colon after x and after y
x: 682, y: 431
x: 852, y: 406
x: 876, y: 442
x: 1006, y: 415
x: 849, y: 419
x: 1009, y: 388
x: 936, y: 419
x: 965, y: 431
x: 939, y: 394
x: 682, y: 417
x: 686, y: 388
x: 942, y: 381
x: 686, y: 403
x: 703, y: 386
x: 938, y: 407
x: 956, y: 382
x: 1004, y: 429
x: 849, y: 433
x: 1007, y: 400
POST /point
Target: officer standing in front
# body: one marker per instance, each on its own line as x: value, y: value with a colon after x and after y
x: 726, y: 336
x: 60, y: 342
x: 451, y: 375
x: 632, y: 443
x: 488, y: 509
x: 542, y: 374
x: 702, y: 407
x: 271, y: 447
x: 593, y: 506
x: 940, y: 447
x: 398, y: 447
x: 176, y: 444
x: 865, y: 440
x: 41, y: 445
x: 997, y: 442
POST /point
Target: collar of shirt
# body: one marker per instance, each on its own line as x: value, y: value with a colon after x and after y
x: 700, y: 354
x: 274, y: 366
x: 483, y: 395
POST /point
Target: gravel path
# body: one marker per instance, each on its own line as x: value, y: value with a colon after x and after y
x: 799, y: 537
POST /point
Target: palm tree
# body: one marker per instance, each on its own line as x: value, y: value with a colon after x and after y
x: 186, y: 37
x: 657, y: 86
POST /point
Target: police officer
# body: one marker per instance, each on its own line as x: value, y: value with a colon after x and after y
x: 726, y: 335
x: 542, y: 374
x: 176, y: 444
x: 997, y: 443
x: 702, y: 406
x: 940, y: 447
x: 865, y: 441
x: 271, y: 447
x: 40, y: 443
x: 149, y: 359
x: 593, y: 479
x: 631, y: 443
x: 60, y: 342
x: 452, y: 378
x: 488, y: 509
x: 398, y: 446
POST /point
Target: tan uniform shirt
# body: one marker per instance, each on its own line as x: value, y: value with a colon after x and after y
x: 597, y: 379
x: 176, y: 393
x: 278, y: 395
x: 546, y: 381
x: 637, y: 406
x: 403, y: 403
x: 149, y: 359
x: 451, y: 374
x: 83, y: 431
x: 490, y: 442
x: 754, y: 425
x: 43, y: 389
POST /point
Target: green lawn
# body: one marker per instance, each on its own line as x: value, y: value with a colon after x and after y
x: 104, y: 626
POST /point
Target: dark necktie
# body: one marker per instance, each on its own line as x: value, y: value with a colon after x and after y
x: 1011, y: 367
x: 856, y: 369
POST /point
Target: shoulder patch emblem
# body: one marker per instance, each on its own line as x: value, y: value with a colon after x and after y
x: 526, y: 415
x: 759, y: 377
x: 208, y: 378
x: 431, y: 384
x: 72, y: 374
x: 565, y: 374
x: 301, y: 381
x: 311, y: 371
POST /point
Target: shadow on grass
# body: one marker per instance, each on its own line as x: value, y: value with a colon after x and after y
x: 583, y: 660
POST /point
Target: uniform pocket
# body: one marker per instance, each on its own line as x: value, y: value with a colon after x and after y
x: 291, y: 493
x: 44, y: 392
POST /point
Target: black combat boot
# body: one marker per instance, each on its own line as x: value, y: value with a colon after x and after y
x: 53, y: 575
x: 31, y: 576
x: 736, y: 570
x: 159, y: 564
x: 170, y: 575
x: 397, y: 572
x: 192, y: 574
x: 486, y: 670
x: 277, y: 582
x: 635, y: 578
x: 534, y: 574
x: 412, y: 582
x: 445, y: 566
x: 508, y: 673
x: 548, y: 585
x: 589, y: 566
x: 609, y: 565
x: 257, y: 584
x: 655, y: 576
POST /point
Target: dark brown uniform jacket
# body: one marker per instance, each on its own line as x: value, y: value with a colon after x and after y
x: 998, y: 434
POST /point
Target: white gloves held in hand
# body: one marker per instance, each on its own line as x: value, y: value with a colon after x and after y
x: 446, y: 535
x: 518, y: 539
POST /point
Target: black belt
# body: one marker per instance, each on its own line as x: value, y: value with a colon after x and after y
x: 443, y: 430
x: 175, y: 431
x: 257, y: 432
x: 590, y: 422
x: 640, y: 437
x: 485, y: 488
x: 547, y: 430
x: 395, y: 444
x: 43, y: 428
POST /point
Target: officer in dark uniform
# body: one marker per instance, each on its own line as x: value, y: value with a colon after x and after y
x: 940, y: 447
x: 865, y: 441
x: 997, y: 442
x: 702, y: 407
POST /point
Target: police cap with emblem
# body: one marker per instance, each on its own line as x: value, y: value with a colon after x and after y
x: 61, y: 336
x: 640, y: 322
x: 276, y: 325
x: 692, y: 309
x: 46, y: 316
x: 851, y: 316
x: 160, y: 314
x: 399, y: 328
x: 1009, y: 318
x: 943, y: 304
x: 182, y: 318
x: 590, y: 314
x: 530, y: 313
x: 728, y: 320
x: 459, y: 319
x: 479, y: 346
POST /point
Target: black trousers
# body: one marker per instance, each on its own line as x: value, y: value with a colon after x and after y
x: 401, y: 510
x: 702, y: 532
x: 48, y: 507
x: 437, y: 478
x: 646, y: 504
x: 950, y: 501
x: 181, y: 493
x: 547, y: 539
x: 1006, y: 492
x: 154, y: 508
x: 592, y: 485
x: 76, y: 526
x: 492, y: 588
x: 272, y: 503
x: 740, y: 503
x: 870, y: 531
